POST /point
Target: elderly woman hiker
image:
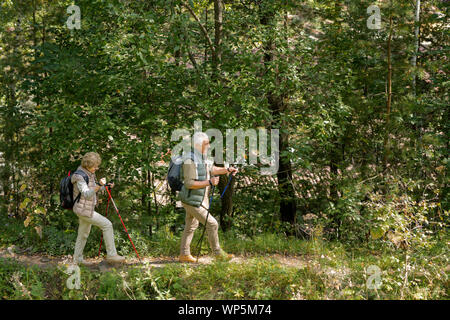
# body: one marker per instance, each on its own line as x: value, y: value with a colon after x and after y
x: 199, y: 177
x: 84, y: 209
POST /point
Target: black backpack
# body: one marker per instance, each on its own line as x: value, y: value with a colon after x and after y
x: 174, y: 175
x: 66, y: 190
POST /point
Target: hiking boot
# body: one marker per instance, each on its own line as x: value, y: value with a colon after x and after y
x: 187, y: 258
x: 115, y: 259
x: 222, y: 255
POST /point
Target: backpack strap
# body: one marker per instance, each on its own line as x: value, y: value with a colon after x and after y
x: 77, y: 198
x: 184, y: 157
x: 83, y: 174
x: 86, y: 178
x: 193, y: 157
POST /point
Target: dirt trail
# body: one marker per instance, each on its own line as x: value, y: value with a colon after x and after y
x: 99, y: 264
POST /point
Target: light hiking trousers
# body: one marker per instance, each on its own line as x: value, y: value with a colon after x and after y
x: 193, y: 216
x: 83, y: 233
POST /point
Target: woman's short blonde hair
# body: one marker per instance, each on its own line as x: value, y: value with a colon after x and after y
x: 91, y: 160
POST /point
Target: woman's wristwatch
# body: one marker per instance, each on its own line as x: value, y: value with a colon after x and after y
x: 228, y: 169
x: 210, y: 183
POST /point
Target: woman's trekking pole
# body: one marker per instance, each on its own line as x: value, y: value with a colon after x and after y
x: 101, y: 239
x: 199, y: 244
x: 117, y: 210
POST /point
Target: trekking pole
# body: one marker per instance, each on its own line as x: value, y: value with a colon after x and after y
x: 117, y: 210
x: 229, y: 181
x: 101, y: 239
x: 199, y: 244
x: 199, y: 247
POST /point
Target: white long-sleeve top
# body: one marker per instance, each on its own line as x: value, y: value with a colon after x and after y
x: 85, y: 190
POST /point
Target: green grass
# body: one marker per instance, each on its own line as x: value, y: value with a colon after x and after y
x: 326, y: 270
x: 330, y: 272
x: 164, y: 242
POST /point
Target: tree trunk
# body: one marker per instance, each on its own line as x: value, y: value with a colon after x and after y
x: 288, y: 206
x: 334, y: 173
x: 389, y: 96
x: 218, y: 21
x: 227, y: 200
x: 414, y: 85
x: 206, y: 42
x: 277, y: 106
x: 416, y: 43
x: 152, y: 177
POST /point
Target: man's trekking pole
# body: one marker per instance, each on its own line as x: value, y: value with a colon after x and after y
x: 229, y: 181
x: 199, y: 244
x: 117, y: 210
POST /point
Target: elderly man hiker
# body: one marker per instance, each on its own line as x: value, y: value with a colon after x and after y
x: 199, y: 177
x: 84, y: 209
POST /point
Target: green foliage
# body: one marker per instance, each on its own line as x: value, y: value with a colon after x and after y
x: 362, y: 174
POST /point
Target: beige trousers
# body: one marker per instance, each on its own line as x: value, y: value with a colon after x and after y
x: 83, y: 233
x: 193, y: 216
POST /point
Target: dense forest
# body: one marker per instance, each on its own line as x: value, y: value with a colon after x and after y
x: 358, y: 91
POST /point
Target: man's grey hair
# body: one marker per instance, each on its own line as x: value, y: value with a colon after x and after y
x: 199, y: 137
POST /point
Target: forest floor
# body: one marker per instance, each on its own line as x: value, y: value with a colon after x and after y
x: 44, y: 261
x: 273, y: 271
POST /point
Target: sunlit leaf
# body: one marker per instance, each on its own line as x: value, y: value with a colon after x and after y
x: 27, y: 221
x: 24, y: 203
